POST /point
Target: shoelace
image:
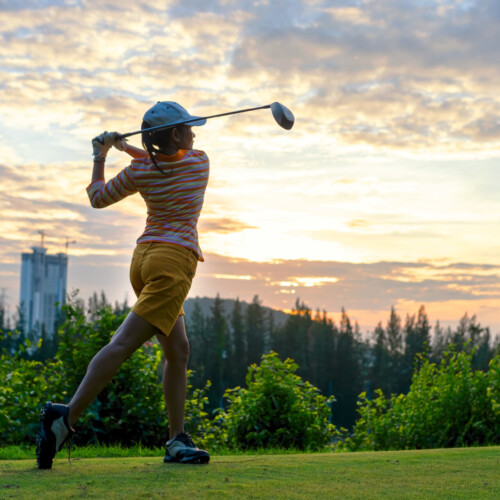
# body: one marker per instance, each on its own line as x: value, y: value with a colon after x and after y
x: 190, y: 440
x: 187, y: 439
x: 70, y: 445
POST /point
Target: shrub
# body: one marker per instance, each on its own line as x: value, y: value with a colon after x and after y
x: 130, y: 410
x: 24, y: 384
x: 278, y: 409
x: 447, y: 405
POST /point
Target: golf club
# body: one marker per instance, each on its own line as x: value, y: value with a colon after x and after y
x: 283, y: 116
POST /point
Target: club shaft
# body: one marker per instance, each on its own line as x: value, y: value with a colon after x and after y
x: 170, y: 125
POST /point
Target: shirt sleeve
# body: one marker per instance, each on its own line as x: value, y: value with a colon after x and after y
x: 102, y: 194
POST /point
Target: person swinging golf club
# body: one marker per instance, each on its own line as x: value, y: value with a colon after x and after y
x: 172, y: 178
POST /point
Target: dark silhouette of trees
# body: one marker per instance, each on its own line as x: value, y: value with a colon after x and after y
x: 334, y: 358
x: 255, y: 331
x: 239, y: 358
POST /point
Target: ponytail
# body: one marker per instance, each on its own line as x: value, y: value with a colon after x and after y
x: 149, y: 139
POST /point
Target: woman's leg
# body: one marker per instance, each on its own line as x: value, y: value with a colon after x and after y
x: 132, y: 333
x: 176, y: 349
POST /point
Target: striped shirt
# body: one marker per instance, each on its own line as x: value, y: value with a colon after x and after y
x: 174, y: 201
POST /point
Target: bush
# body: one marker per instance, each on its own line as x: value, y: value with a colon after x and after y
x: 278, y: 409
x: 130, y: 410
x: 450, y: 405
x: 24, y: 384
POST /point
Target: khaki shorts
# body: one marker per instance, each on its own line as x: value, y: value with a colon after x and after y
x: 161, y: 276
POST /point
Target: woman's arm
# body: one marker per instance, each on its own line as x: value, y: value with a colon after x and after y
x: 101, y: 193
x: 98, y: 170
x: 100, y: 145
x: 133, y: 151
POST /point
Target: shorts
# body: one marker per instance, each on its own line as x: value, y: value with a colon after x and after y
x: 161, y: 275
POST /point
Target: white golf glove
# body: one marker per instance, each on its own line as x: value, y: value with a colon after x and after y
x: 102, y: 143
x: 120, y: 144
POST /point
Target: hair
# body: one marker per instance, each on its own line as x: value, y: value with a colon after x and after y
x: 156, y: 140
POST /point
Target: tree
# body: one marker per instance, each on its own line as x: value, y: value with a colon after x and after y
x: 217, y: 351
x: 255, y: 330
x: 322, y: 348
x: 439, y: 343
x: 380, y: 371
x: 20, y: 320
x: 471, y: 336
x: 417, y: 342
x: 346, y: 374
x: 394, y: 337
x: 2, y: 311
x: 95, y: 304
x: 198, y: 341
x: 292, y: 340
x: 239, y: 358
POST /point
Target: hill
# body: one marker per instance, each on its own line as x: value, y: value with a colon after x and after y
x: 206, y: 304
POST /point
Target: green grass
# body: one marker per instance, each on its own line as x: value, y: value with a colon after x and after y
x: 441, y: 474
x: 24, y: 452
x: 28, y: 452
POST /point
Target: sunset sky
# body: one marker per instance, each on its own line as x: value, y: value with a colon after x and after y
x: 385, y: 193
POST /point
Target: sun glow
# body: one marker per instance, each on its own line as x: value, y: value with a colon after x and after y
x: 232, y: 277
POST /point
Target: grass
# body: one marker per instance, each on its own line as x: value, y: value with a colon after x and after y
x: 465, y: 473
x: 24, y: 452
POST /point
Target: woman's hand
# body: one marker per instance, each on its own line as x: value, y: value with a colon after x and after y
x: 119, y: 143
x: 102, y: 144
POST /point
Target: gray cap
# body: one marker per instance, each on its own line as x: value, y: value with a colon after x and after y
x: 167, y: 112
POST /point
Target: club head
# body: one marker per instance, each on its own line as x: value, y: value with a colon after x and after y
x: 283, y: 116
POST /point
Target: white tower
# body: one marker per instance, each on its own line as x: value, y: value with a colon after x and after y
x: 43, y: 284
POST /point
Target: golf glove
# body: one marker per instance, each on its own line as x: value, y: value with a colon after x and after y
x: 120, y: 144
x: 102, y: 143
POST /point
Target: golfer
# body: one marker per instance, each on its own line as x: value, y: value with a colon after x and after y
x: 172, y: 177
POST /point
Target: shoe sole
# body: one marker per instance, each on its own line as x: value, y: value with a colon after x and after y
x: 194, y: 460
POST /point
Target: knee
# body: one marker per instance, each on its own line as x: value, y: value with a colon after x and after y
x: 178, y: 352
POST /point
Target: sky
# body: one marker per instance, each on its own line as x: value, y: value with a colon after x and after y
x: 384, y: 194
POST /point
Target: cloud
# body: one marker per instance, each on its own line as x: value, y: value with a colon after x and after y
x: 366, y: 290
x: 389, y: 75
x: 392, y: 156
x: 363, y: 286
x: 392, y: 75
x: 224, y: 225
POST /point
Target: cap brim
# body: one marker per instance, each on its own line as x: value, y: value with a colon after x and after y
x: 197, y: 123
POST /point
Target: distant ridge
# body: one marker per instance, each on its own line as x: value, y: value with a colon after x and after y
x: 206, y: 304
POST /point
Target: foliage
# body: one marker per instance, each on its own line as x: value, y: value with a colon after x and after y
x: 224, y: 341
x: 278, y: 409
x: 25, y: 383
x: 130, y: 410
x: 447, y: 405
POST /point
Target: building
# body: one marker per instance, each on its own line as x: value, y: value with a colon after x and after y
x: 43, y: 284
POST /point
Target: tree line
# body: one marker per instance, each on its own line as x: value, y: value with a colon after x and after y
x: 336, y: 358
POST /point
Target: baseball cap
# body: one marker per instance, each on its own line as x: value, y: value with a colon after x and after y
x: 167, y: 112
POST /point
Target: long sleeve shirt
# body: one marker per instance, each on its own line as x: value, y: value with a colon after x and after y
x: 174, y: 201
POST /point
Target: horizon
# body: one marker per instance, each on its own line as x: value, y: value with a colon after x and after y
x: 383, y: 194
x: 364, y: 329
